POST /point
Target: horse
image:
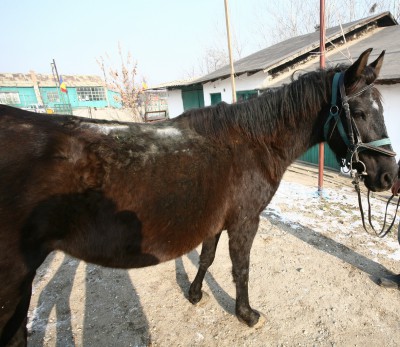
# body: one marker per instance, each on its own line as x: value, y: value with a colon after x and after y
x: 130, y: 195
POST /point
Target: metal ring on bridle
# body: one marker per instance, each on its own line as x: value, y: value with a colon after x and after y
x: 334, y: 109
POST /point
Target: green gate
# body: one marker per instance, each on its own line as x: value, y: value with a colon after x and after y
x: 311, y: 156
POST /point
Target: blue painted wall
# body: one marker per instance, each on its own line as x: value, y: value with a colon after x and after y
x: 28, y: 97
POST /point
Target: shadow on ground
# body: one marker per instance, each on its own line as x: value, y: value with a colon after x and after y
x: 113, y: 312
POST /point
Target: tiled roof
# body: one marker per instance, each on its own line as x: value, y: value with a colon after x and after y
x: 44, y: 80
x: 173, y: 84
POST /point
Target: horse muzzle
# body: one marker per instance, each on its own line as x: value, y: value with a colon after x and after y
x: 381, y: 180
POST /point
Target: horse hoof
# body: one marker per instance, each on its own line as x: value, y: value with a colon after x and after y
x: 261, y: 321
x: 254, y: 325
x: 203, y: 300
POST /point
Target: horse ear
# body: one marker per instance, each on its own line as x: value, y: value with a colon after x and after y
x: 353, y: 73
x: 377, y: 64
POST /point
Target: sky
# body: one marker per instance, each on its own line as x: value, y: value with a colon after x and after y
x: 166, y: 38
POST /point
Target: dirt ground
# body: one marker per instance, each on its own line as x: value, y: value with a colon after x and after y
x: 315, y: 288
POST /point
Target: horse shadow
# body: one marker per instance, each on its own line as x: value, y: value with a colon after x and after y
x: 336, y: 249
x: 113, y: 314
x: 220, y: 295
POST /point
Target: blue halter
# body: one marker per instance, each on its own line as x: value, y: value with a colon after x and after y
x: 352, y: 138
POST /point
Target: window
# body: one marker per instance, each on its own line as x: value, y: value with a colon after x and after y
x: 9, y: 98
x: 53, y: 97
x: 90, y: 93
x: 246, y: 95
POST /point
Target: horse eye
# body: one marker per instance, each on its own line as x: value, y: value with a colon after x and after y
x: 359, y: 114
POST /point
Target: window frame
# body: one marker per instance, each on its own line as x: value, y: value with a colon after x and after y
x: 91, y: 93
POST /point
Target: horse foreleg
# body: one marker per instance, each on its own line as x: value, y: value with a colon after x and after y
x: 206, y: 259
x: 240, y: 242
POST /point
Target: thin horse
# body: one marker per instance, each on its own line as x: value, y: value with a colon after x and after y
x: 131, y: 195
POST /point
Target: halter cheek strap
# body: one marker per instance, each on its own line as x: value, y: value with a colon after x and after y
x: 334, y: 113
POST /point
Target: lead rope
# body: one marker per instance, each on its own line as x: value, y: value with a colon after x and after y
x: 383, y: 232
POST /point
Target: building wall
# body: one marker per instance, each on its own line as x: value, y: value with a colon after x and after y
x: 175, y: 103
x: 113, y: 99
x: 391, y: 106
x: 28, y: 97
x: 50, y: 103
x: 242, y: 83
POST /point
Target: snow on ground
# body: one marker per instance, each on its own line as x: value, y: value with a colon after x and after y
x: 335, y: 212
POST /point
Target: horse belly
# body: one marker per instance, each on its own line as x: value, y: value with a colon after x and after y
x: 173, y: 203
x: 139, y: 232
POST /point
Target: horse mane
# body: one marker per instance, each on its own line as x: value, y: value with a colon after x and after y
x: 273, y: 109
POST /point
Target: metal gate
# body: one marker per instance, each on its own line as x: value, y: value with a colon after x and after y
x: 311, y: 156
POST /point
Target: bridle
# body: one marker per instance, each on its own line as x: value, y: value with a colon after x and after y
x: 354, y: 144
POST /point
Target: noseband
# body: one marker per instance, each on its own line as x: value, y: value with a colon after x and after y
x: 354, y: 144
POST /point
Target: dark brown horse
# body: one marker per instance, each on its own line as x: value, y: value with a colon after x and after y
x: 131, y: 195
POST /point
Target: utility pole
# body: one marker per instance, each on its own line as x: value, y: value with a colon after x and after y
x: 55, y: 73
x: 56, y: 77
x: 228, y: 33
x: 322, y: 66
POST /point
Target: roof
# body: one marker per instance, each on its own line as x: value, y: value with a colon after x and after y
x: 380, y: 39
x: 172, y: 84
x: 301, y: 47
x: 28, y: 80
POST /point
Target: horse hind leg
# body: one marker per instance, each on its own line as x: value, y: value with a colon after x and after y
x: 206, y: 259
x: 14, y: 331
x: 15, y: 294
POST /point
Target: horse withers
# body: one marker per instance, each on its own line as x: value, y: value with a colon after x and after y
x: 129, y: 195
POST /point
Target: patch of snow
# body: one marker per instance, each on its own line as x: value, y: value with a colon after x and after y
x: 336, y: 211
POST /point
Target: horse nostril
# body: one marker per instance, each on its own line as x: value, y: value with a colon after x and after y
x: 386, y: 180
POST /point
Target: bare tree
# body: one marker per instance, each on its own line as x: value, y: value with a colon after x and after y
x: 124, y: 81
x: 215, y: 54
x: 213, y: 59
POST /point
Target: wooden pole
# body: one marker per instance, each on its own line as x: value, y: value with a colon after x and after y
x: 228, y: 33
x: 322, y: 66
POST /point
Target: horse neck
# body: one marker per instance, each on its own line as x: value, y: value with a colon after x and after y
x: 289, y: 118
x: 285, y: 121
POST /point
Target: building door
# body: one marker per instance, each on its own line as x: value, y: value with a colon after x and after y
x: 192, y: 97
x: 216, y: 98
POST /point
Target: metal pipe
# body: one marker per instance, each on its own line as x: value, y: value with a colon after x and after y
x: 228, y: 33
x: 322, y: 66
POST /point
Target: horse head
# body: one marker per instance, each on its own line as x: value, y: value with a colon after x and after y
x: 355, y: 128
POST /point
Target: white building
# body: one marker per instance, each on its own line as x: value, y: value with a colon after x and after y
x: 275, y: 66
